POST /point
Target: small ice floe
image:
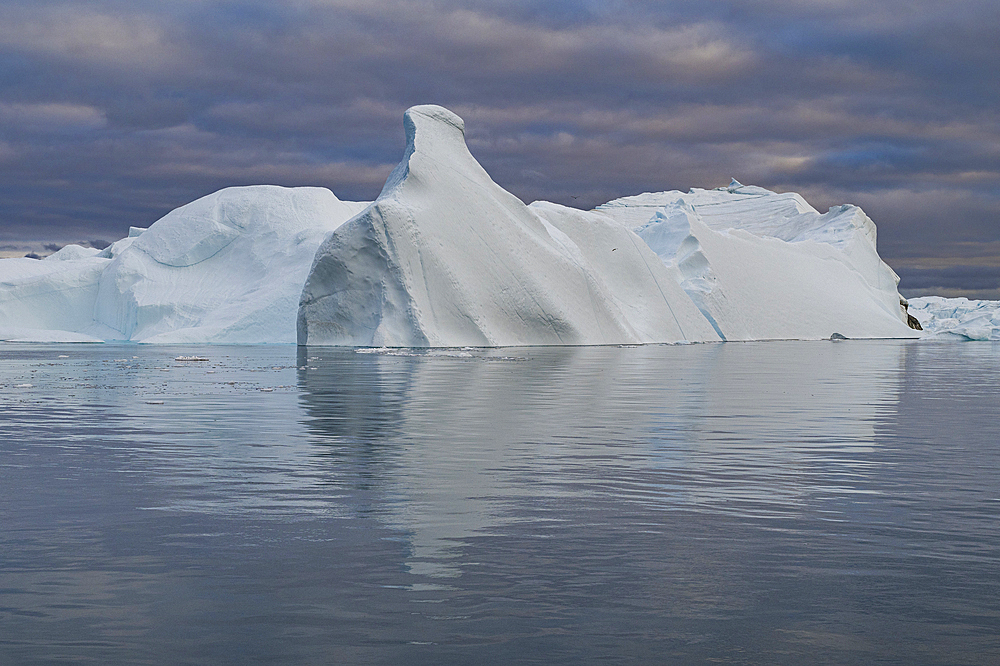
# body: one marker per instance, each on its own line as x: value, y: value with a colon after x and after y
x: 63, y: 356
x: 957, y: 318
x: 191, y: 358
x: 23, y: 385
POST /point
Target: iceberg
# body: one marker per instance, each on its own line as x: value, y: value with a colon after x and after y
x: 957, y: 317
x: 445, y: 257
x: 51, y: 300
x: 227, y: 268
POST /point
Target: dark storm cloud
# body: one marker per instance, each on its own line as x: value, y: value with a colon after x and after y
x: 977, y: 282
x: 111, y: 113
x: 955, y: 277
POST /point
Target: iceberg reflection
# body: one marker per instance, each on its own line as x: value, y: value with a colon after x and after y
x: 459, y: 443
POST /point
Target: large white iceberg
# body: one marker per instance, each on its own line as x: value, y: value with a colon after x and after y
x: 446, y: 257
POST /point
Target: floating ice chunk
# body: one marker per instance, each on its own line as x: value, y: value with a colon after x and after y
x: 957, y: 317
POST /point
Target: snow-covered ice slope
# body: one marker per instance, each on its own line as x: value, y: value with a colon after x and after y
x: 446, y: 257
x: 228, y: 267
x: 959, y: 317
x: 761, y: 265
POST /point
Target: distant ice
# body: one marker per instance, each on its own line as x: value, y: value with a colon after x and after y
x: 761, y: 265
x: 957, y: 317
x: 70, y: 252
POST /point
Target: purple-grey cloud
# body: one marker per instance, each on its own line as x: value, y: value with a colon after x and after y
x: 113, y: 112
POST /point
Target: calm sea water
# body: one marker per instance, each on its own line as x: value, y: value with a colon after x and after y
x: 771, y: 503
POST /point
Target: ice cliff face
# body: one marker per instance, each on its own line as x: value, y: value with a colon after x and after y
x: 52, y: 299
x: 445, y: 257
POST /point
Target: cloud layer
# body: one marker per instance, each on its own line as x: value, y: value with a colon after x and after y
x: 112, y: 113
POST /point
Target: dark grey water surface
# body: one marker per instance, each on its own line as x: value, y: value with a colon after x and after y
x: 771, y: 503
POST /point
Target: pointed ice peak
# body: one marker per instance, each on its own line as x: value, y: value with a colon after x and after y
x: 735, y: 185
x: 435, y: 140
x: 436, y: 121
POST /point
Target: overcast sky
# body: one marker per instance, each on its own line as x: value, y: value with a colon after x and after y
x: 114, y: 112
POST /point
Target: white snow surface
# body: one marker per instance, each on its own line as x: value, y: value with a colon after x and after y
x: 761, y: 265
x: 447, y: 258
x: 957, y: 317
x: 227, y: 268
